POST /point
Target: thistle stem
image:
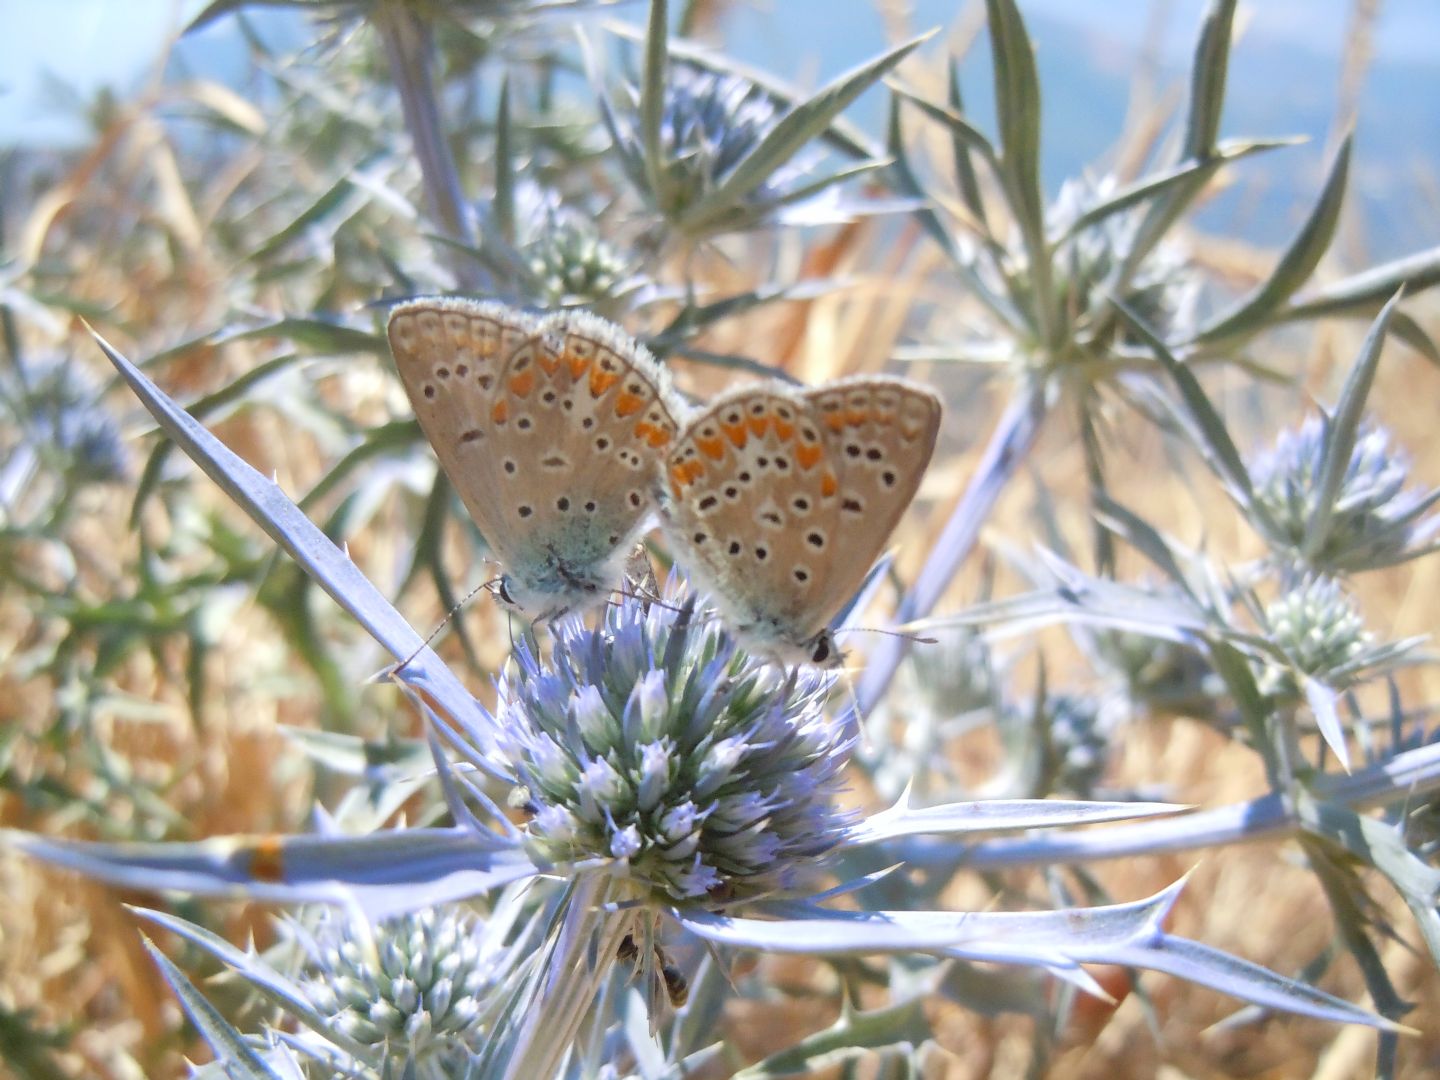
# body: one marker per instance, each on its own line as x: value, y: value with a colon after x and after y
x: 578, y: 964
x: 410, y: 51
x: 1009, y: 446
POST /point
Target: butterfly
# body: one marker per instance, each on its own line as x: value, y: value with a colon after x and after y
x: 778, y: 501
x: 551, y: 430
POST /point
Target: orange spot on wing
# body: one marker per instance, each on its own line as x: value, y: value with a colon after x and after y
x: 807, y: 454
x: 578, y: 364
x: 758, y: 424
x: 736, y: 433
x: 522, y: 384
x: 501, y: 412
x: 714, y: 449
x: 600, y: 381
x: 547, y: 360
x: 783, y: 431
x: 684, y: 474
x: 858, y: 417
x: 835, y: 421
x: 651, y: 433
x: 267, y: 859
x: 629, y: 404
x: 829, y: 485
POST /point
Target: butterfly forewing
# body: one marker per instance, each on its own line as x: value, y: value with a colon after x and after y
x: 450, y: 354
x: 879, y: 432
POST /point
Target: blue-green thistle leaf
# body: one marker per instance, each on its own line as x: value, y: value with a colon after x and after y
x: 505, y: 171
x: 1381, y: 845
x: 383, y: 873
x: 1297, y: 263
x: 1017, y: 101
x: 1343, y: 430
x: 269, y: 983
x: 242, y: 1061
x: 1366, y: 292
x: 1208, y: 72
x: 1219, y: 447
x: 965, y: 178
x: 994, y: 815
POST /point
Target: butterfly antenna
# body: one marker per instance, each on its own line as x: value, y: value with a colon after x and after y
x: 644, y: 596
x: 908, y: 635
x: 491, y: 585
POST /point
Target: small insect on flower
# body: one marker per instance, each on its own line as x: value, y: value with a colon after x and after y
x: 551, y: 431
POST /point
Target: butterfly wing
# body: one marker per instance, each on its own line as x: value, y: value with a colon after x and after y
x: 879, y: 433
x: 584, y: 416
x: 779, y: 502
x: 752, y: 505
x: 450, y: 353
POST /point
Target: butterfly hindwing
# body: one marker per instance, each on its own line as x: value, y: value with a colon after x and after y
x: 880, y: 433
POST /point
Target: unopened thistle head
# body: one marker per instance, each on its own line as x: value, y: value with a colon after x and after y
x: 415, y: 984
x: 709, y: 123
x: 60, y: 415
x: 1375, y: 521
x: 1320, y: 631
x: 570, y: 263
x: 654, y: 745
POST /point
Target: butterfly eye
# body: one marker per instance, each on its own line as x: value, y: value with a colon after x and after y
x: 502, y: 593
x: 821, y: 652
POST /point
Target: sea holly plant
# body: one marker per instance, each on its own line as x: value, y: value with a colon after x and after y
x: 713, y: 151
x: 1049, y: 280
x: 1290, y: 649
x: 668, y: 784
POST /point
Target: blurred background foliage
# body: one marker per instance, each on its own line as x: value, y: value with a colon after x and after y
x: 236, y: 211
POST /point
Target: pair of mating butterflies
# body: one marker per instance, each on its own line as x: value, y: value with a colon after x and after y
x: 562, y: 433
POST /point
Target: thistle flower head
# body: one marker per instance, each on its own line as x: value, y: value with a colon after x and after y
x: 1316, y: 625
x: 415, y: 983
x: 709, y: 124
x: 1375, y: 520
x: 59, y: 411
x: 654, y: 744
x: 1162, y: 290
x: 1078, y: 742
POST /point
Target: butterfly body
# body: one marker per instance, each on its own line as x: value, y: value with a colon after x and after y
x: 778, y: 501
x: 550, y: 430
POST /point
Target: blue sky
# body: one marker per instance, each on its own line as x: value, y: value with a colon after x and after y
x: 56, y: 54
